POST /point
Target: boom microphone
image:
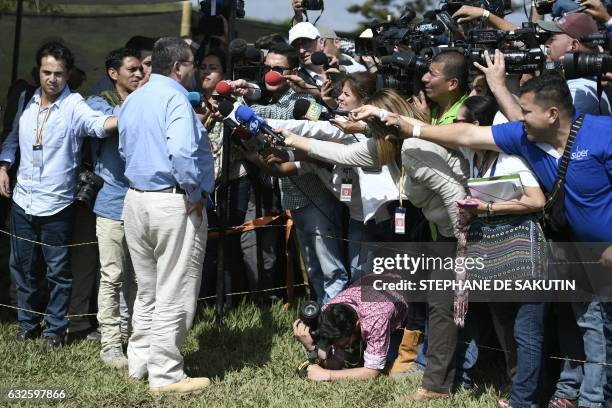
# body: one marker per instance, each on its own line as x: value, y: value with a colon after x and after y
x: 238, y: 48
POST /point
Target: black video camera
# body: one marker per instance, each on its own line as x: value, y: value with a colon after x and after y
x: 222, y: 7
x: 585, y: 64
x: 88, y: 185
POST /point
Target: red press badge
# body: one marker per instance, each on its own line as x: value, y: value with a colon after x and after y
x: 400, y: 220
x: 346, y: 190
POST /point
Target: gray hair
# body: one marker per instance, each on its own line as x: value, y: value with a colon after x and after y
x: 167, y: 51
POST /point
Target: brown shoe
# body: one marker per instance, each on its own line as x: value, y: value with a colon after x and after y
x: 422, y: 394
x: 185, y: 386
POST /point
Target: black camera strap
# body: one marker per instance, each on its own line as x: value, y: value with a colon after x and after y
x: 560, y: 182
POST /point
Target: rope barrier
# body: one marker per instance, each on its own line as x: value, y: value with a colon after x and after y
x: 303, y: 284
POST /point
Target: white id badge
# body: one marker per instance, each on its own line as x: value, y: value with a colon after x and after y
x: 346, y: 191
x: 37, y: 157
x: 400, y: 220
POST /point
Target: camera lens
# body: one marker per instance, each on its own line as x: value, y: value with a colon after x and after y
x: 577, y: 64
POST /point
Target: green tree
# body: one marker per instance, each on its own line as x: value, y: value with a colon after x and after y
x: 379, y: 9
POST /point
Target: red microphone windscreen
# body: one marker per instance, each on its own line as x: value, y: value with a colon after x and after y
x: 273, y: 78
x: 223, y: 88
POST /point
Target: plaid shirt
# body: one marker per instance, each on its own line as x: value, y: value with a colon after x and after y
x: 296, y: 191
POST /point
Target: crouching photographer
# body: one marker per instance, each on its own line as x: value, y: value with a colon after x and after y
x: 354, y: 339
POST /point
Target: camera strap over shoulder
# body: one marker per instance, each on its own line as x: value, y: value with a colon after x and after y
x: 560, y: 181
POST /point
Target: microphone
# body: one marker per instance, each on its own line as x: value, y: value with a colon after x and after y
x: 273, y: 78
x: 237, y: 48
x: 307, y: 110
x: 432, y: 28
x: 257, y: 125
x: 195, y: 98
x: 253, y: 54
x: 242, y: 136
x: 223, y: 88
x: 319, y: 58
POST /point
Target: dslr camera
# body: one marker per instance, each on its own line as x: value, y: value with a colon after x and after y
x: 313, y: 4
x: 309, y: 315
x: 88, y: 185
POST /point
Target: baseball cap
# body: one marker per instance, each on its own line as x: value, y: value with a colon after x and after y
x: 576, y: 25
x: 303, y: 30
x: 327, y: 32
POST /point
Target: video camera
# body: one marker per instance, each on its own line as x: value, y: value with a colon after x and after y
x: 222, y: 7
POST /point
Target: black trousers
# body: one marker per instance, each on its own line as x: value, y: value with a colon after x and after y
x: 439, y: 373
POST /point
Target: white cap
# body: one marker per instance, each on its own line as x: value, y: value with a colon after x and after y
x: 303, y: 30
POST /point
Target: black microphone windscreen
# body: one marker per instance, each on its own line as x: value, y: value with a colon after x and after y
x: 429, y: 16
x: 238, y: 47
x: 300, y: 108
x: 226, y: 107
x: 252, y: 54
x: 319, y: 58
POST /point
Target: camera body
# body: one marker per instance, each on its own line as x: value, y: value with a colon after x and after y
x: 88, y: 185
x: 313, y: 4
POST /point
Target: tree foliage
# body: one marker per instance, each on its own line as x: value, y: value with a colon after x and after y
x: 379, y: 9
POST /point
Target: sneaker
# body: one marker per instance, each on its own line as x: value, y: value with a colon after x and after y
x: 113, y: 357
x: 414, y: 371
x: 185, y: 386
x: 28, y: 335
x: 562, y: 403
x: 94, y: 336
x: 52, y: 343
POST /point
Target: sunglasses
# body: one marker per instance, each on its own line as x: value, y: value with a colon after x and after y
x: 280, y: 70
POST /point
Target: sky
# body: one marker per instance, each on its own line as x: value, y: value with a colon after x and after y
x: 335, y: 15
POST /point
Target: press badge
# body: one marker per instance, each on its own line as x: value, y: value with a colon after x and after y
x: 346, y: 190
x: 400, y: 220
x: 37, y: 157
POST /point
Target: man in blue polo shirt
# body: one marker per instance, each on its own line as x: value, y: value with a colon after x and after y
x: 540, y: 138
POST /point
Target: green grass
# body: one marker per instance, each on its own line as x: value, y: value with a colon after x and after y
x: 251, y: 360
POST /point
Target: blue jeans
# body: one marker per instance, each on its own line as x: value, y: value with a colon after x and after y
x: 53, y: 230
x: 360, y: 235
x: 608, y: 332
x: 582, y: 381
x: 319, y: 229
x: 529, y: 337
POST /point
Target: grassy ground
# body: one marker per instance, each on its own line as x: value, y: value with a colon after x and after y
x: 251, y: 360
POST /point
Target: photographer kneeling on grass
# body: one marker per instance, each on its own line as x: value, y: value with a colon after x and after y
x: 350, y: 327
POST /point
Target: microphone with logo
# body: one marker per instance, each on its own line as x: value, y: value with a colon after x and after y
x: 257, y: 125
x: 308, y: 110
x: 242, y: 137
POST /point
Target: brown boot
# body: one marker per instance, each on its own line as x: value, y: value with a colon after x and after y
x: 407, y: 353
x: 422, y: 394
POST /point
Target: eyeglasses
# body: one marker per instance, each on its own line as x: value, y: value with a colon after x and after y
x: 280, y: 70
x: 187, y: 62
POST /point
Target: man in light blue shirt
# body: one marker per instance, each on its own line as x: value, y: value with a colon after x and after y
x: 169, y: 166
x: 49, y: 136
x: 124, y: 70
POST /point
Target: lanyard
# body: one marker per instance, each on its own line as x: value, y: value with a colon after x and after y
x: 479, y: 172
x: 42, y: 128
x: 401, y: 187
